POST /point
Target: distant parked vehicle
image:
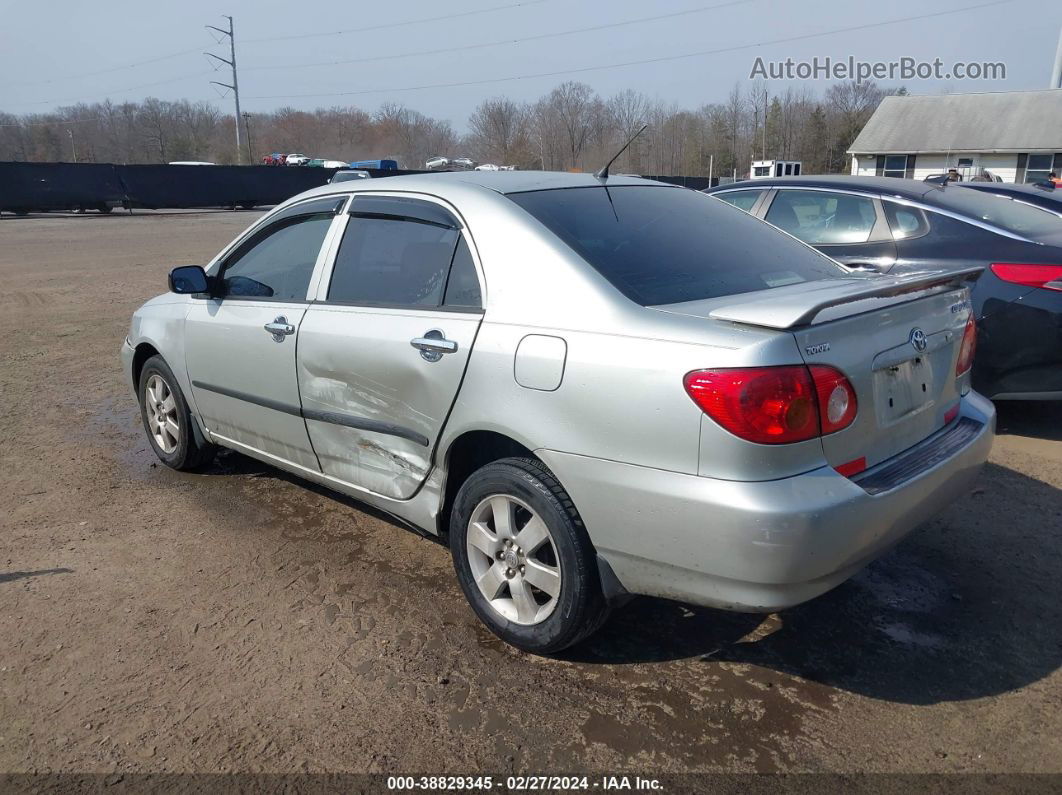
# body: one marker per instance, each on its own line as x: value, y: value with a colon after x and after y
x: 274, y: 159
x: 349, y: 174
x: 1039, y: 194
x: 296, y: 160
x: 321, y: 162
x: 379, y: 165
x: 190, y: 163
x: 904, y: 226
x: 463, y: 162
x: 437, y: 162
x: 487, y: 167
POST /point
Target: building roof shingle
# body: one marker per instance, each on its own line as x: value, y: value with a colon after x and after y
x: 1010, y: 121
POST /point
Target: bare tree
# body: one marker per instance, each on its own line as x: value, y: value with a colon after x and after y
x: 499, y: 131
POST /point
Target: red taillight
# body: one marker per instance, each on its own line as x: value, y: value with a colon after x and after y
x: 966, y: 350
x: 1046, y: 276
x: 774, y: 405
x: 837, y: 399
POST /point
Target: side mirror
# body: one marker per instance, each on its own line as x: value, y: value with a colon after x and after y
x: 189, y: 279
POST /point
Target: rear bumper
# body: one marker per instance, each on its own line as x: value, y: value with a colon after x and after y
x: 756, y: 546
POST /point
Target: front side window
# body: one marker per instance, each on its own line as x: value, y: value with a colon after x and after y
x: 822, y: 218
x: 392, y: 260
x: 895, y: 166
x: 742, y: 199
x: 278, y: 262
x: 663, y: 245
x: 1038, y: 168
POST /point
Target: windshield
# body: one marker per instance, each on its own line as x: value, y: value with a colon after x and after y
x: 1002, y: 211
x: 663, y: 245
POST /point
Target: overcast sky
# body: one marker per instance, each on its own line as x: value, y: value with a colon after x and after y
x: 55, y: 53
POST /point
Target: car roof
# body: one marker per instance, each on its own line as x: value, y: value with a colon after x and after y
x: 893, y: 186
x: 449, y: 184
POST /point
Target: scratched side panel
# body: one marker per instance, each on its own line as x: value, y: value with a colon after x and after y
x: 357, y: 365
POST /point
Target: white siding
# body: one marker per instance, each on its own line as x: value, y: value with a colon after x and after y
x: 1003, y: 166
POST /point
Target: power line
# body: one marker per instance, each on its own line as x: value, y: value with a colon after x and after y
x: 85, y: 119
x: 503, y: 42
x: 110, y: 69
x: 107, y: 94
x: 640, y: 62
x: 389, y: 25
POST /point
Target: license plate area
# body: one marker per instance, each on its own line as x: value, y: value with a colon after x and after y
x: 903, y: 389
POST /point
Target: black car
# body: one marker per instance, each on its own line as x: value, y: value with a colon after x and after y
x: 889, y: 225
x: 1039, y: 194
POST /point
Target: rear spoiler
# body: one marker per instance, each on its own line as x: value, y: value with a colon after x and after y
x: 786, y: 310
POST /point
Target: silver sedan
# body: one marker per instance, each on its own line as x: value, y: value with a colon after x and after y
x: 592, y: 387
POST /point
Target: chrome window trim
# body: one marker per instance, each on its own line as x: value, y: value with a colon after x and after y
x: 912, y: 203
x: 320, y: 295
x: 958, y: 217
x: 260, y: 224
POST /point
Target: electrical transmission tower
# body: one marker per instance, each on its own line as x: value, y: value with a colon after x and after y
x: 235, y: 86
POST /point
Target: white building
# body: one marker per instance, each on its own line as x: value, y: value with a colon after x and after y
x: 1016, y: 135
x: 764, y: 169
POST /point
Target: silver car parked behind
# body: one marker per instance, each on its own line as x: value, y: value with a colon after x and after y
x: 592, y: 387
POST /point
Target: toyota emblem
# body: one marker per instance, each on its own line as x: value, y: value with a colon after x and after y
x: 918, y: 339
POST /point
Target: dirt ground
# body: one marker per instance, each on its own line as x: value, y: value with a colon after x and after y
x: 240, y: 620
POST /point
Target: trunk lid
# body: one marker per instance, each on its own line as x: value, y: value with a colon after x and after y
x: 896, y: 339
x: 900, y: 361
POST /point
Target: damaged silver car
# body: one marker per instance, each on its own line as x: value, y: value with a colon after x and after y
x: 591, y: 386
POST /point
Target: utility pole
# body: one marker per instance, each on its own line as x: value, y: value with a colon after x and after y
x: 250, y: 145
x: 764, y: 157
x: 1056, y: 72
x: 235, y: 86
x: 73, y: 150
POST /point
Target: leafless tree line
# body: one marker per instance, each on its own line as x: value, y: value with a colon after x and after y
x: 570, y: 128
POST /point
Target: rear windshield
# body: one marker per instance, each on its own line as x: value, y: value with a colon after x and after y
x: 661, y: 245
x: 1002, y: 211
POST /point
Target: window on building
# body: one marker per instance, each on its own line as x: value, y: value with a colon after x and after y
x: 1038, y: 167
x: 761, y: 171
x: 895, y: 166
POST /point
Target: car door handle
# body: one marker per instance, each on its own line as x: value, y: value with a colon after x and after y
x: 279, y: 328
x: 433, y: 345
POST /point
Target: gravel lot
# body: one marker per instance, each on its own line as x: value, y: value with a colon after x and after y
x: 241, y: 620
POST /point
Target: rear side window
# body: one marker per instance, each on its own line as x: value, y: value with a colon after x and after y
x: 822, y: 218
x: 905, y: 222
x: 278, y: 262
x: 661, y: 245
x: 742, y: 199
x: 462, y: 288
x: 1001, y: 211
x: 392, y: 261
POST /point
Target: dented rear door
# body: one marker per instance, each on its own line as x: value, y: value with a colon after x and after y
x: 382, y: 352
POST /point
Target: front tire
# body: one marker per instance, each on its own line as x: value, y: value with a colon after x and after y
x: 167, y: 419
x: 523, y: 557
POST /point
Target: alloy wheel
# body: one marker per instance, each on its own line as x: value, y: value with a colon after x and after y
x: 514, y: 560
x: 162, y: 419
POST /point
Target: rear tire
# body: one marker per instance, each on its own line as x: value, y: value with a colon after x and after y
x: 523, y: 557
x: 167, y: 419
